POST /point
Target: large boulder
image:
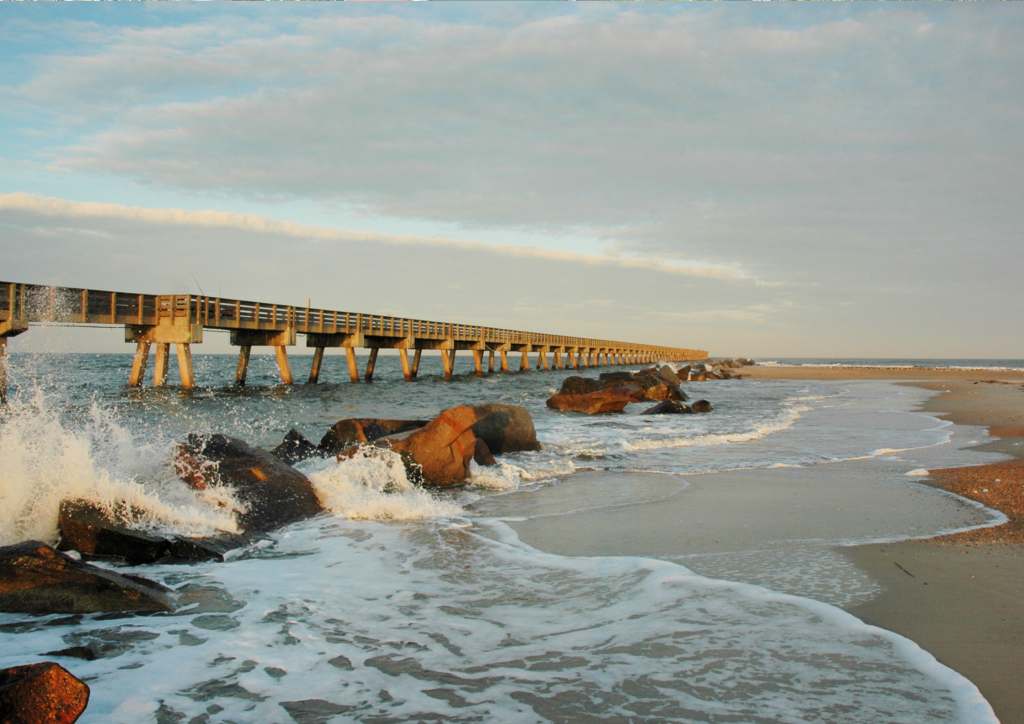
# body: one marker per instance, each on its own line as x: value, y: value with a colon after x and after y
x: 505, y: 428
x: 44, y: 693
x: 271, y: 493
x: 611, y: 400
x: 575, y: 385
x: 668, y: 374
x: 618, y: 377
x: 656, y: 388
x: 35, y: 578
x: 97, y: 531
x: 438, y: 453
x: 353, y: 431
x: 701, y: 406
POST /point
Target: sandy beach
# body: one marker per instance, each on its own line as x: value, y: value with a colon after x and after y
x: 960, y: 597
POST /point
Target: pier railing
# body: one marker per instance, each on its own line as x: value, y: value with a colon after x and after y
x: 179, y: 319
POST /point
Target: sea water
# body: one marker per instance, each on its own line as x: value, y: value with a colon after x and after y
x: 573, y: 584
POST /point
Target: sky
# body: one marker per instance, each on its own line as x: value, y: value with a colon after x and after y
x: 765, y: 180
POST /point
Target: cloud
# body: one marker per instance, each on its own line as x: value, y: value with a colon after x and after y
x: 262, y: 225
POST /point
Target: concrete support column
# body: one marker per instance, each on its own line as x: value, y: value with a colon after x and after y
x: 163, y: 352
x: 188, y: 379
x: 558, y: 359
x: 570, y: 358
x: 243, y: 363
x: 353, y: 364
x: 490, y: 361
x: 282, y: 364
x: 416, y: 363
x: 448, y: 360
x: 478, y: 361
x: 318, y: 360
x: 138, y: 364
x: 370, y: 364
x: 504, y: 360
x: 542, y: 360
x: 524, y: 366
x: 406, y: 370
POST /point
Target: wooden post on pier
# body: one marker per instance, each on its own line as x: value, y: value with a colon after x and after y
x: 371, y: 363
x: 490, y: 361
x: 504, y: 359
x: 416, y: 362
x: 478, y: 362
x: 243, y: 364
x: 524, y: 365
x: 139, y: 364
x: 448, y: 362
x: 318, y: 360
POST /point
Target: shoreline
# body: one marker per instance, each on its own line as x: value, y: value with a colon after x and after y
x: 960, y: 596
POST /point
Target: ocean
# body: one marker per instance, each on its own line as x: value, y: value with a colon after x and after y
x: 637, y: 569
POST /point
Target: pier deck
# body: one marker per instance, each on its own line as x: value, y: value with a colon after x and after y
x: 179, y: 319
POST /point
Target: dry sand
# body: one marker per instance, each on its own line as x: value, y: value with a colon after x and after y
x: 960, y: 597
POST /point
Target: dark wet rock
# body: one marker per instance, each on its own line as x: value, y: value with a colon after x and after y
x: 505, y: 428
x: 35, y: 578
x: 482, y: 454
x: 346, y: 433
x: 668, y: 407
x: 575, y: 385
x: 701, y: 406
x: 295, y: 448
x: 272, y: 492
x: 75, y: 652
x: 44, y: 693
x: 657, y: 389
x: 615, y: 377
x: 683, y: 372
x: 96, y: 531
x: 611, y: 400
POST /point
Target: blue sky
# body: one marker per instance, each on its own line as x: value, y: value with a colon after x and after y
x: 769, y: 180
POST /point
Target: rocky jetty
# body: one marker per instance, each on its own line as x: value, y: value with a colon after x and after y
x: 613, y: 399
x: 35, y: 578
x: 44, y: 693
x: 352, y: 431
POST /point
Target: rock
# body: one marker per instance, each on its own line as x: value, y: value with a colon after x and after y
x: 610, y: 400
x: 696, y: 376
x: 44, y: 693
x: 656, y: 388
x: 295, y: 448
x: 95, y: 531
x: 482, y: 454
x: 505, y: 428
x: 668, y: 407
x: 35, y: 578
x: 349, y: 432
x: 439, y: 452
x: 666, y: 373
x: 682, y: 373
x: 747, y: 362
x: 579, y: 386
x: 701, y: 406
x: 615, y: 377
x: 271, y: 492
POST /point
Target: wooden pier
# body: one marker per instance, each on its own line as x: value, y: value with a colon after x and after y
x: 179, y: 319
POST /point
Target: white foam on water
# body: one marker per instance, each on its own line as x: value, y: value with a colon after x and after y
x: 917, y: 473
x: 45, y: 460
x: 373, y: 485
x: 350, y: 620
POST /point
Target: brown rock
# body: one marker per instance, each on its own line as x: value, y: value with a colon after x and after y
x: 95, y: 531
x: 272, y: 492
x: 295, y: 448
x: 35, y: 578
x: 610, y: 400
x: 579, y: 386
x: 668, y: 407
x: 353, y: 431
x: 44, y: 693
x: 505, y: 428
x: 439, y: 452
x: 482, y: 454
x: 666, y: 373
x: 701, y: 406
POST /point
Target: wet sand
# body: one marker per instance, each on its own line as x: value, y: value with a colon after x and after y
x: 960, y: 597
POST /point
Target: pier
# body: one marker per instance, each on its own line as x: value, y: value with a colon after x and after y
x: 161, y: 320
